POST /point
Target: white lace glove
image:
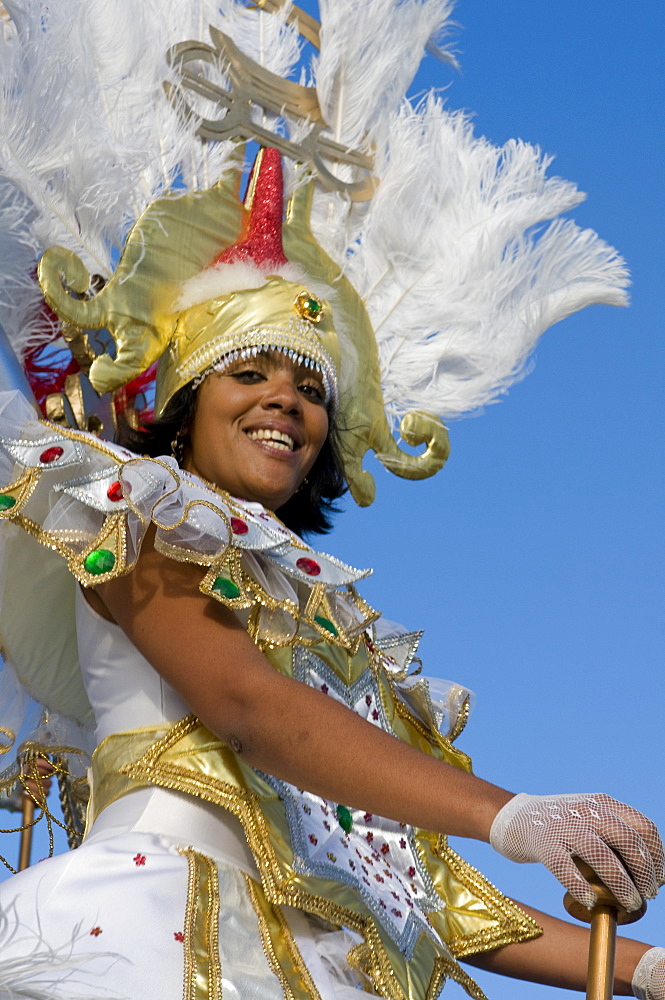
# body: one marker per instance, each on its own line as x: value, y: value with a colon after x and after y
x: 622, y: 846
x: 649, y: 977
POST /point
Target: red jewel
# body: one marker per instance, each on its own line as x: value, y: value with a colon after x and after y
x: 313, y: 839
x: 51, y: 454
x: 239, y: 527
x: 95, y: 932
x: 308, y: 566
x: 139, y: 860
x: 370, y: 836
x: 368, y: 817
x: 375, y: 715
x: 114, y: 492
x: 368, y: 700
x: 384, y: 848
x: 179, y: 936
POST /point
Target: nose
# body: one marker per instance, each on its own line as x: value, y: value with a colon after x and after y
x: 281, y: 393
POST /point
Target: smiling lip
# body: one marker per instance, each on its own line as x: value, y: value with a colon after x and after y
x: 276, y: 439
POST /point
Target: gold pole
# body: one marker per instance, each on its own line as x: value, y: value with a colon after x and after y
x: 603, y: 917
x: 26, y: 833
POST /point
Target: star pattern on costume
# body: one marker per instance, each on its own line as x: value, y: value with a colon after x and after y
x: 375, y: 856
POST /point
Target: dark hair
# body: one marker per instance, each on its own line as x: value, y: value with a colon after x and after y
x: 308, y: 511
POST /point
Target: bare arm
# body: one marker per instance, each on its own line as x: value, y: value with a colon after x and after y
x: 282, y: 726
x: 559, y: 957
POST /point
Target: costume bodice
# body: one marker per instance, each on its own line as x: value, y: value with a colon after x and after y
x: 125, y: 691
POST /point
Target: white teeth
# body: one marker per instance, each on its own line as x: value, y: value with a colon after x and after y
x: 277, y: 438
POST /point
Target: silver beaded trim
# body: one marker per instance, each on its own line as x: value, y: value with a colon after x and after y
x: 295, y: 341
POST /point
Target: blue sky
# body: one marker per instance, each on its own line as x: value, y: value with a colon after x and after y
x: 534, y: 560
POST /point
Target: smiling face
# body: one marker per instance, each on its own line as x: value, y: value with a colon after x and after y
x: 258, y: 428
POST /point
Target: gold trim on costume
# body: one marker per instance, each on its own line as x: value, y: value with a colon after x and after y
x: 279, y: 946
x: 190, y: 759
x: 203, y: 970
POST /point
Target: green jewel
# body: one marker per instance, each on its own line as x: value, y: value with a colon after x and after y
x: 344, y: 818
x: 325, y: 623
x: 99, y: 561
x: 7, y: 502
x: 226, y: 588
x: 309, y: 307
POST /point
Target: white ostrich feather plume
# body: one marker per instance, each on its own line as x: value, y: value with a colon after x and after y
x: 463, y: 263
x: 461, y: 257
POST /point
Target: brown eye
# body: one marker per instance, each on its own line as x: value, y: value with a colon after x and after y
x: 247, y: 376
x: 312, y: 391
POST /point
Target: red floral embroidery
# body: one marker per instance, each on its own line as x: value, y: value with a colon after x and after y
x: 139, y: 859
x: 411, y: 871
x: 384, y: 848
x: 95, y: 932
x: 402, y: 843
x: 179, y: 936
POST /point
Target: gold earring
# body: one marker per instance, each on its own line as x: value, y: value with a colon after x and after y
x: 178, y: 446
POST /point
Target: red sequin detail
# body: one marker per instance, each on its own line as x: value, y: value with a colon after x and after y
x: 239, y: 527
x: 368, y: 700
x: 51, y: 454
x: 139, y: 859
x: 179, y: 936
x: 384, y: 848
x: 309, y: 566
x: 411, y: 871
x: 262, y: 239
x: 402, y: 843
x: 375, y: 715
x: 397, y: 913
x: 325, y: 688
x: 95, y: 932
x: 368, y: 817
x: 313, y: 839
x: 114, y: 492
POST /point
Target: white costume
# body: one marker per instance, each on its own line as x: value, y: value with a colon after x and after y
x: 195, y: 868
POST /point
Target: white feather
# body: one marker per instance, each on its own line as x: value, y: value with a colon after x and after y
x: 43, y: 971
x: 460, y: 257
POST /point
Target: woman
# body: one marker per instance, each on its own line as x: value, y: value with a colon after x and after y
x: 150, y: 642
x: 254, y: 825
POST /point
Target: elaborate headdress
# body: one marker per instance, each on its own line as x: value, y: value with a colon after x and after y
x: 416, y: 261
